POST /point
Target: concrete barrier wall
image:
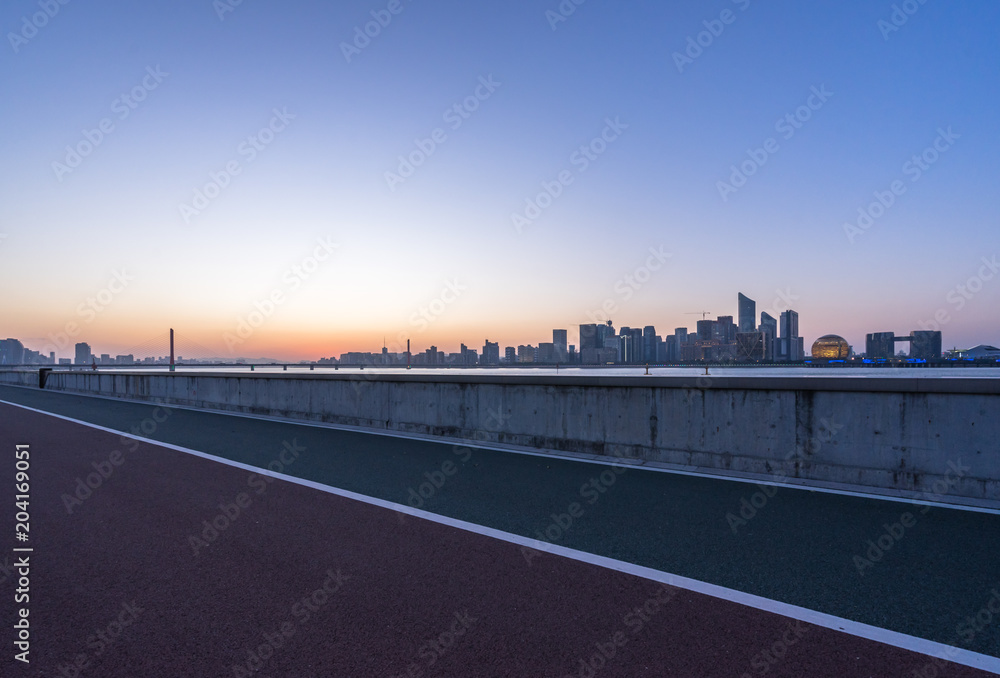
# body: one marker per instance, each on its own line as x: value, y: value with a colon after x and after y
x: 19, y: 377
x: 910, y: 435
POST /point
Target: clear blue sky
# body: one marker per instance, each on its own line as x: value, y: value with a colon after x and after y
x: 437, y: 254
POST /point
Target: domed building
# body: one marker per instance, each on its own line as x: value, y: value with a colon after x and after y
x: 831, y: 347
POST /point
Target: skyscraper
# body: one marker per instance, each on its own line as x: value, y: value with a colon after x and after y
x: 603, y: 332
x: 746, y: 313
x: 83, y: 354
x: 559, y: 340
x: 649, y: 344
x: 769, y: 328
x: 589, y: 345
x: 790, y: 341
x: 11, y: 352
x: 725, y: 329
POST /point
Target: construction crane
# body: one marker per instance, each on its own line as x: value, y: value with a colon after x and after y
x: 703, y: 314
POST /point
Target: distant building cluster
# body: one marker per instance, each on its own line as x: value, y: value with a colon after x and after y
x: 924, y: 345
x: 13, y: 352
x: 722, y: 340
x: 719, y: 340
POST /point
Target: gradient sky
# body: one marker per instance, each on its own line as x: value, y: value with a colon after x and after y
x: 779, y: 238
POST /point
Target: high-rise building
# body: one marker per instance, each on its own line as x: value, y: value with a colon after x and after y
x: 546, y: 353
x: 83, y: 354
x: 510, y: 355
x: 925, y: 344
x: 769, y: 328
x: 880, y: 345
x: 559, y: 340
x: 649, y: 338
x: 706, y: 330
x: 603, y: 332
x: 790, y: 343
x: 675, y: 343
x: 588, y: 344
x: 491, y: 353
x: 468, y: 356
x: 11, y: 352
x: 636, y: 343
x: 725, y: 329
x: 750, y: 346
x: 747, y: 312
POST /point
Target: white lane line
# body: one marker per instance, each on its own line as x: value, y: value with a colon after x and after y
x: 866, y: 631
x: 555, y: 454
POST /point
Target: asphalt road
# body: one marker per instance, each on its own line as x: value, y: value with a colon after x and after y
x: 805, y: 548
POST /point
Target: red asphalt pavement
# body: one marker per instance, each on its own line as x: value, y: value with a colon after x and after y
x: 304, y: 583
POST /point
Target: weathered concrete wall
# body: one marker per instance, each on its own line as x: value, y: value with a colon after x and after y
x: 19, y: 377
x: 932, y: 436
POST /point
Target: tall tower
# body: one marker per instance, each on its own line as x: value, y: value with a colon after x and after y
x: 791, y: 343
x: 559, y: 340
x: 747, y: 313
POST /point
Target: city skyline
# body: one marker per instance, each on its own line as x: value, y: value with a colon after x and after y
x: 722, y: 339
x: 645, y: 159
